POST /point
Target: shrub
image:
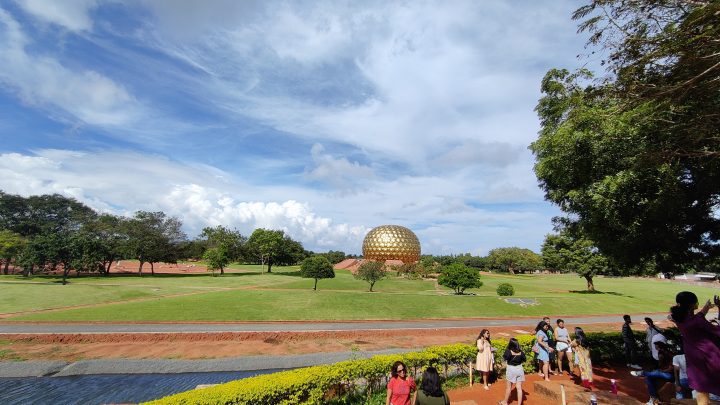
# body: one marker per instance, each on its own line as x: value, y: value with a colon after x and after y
x: 365, y: 377
x: 459, y: 277
x: 505, y: 290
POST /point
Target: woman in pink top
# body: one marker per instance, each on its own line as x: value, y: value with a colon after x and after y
x: 701, y: 343
x: 400, y: 386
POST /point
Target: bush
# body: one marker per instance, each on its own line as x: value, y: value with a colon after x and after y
x: 340, y: 382
x: 505, y: 290
x: 459, y: 277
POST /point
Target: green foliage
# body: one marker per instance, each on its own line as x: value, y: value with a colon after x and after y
x: 11, y: 244
x: 505, y: 290
x: 513, y: 259
x: 371, y: 272
x: 274, y: 247
x: 632, y: 160
x: 311, y: 385
x: 334, y: 257
x: 565, y: 252
x: 34, y: 215
x: 316, y: 267
x: 154, y: 237
x: 223, y: 247
x: 459, y: 277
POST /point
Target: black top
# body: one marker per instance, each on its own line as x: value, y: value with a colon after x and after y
x: 514, y: 359
x: 627, y: 333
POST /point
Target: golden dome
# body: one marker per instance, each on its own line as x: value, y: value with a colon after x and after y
x: 391, y: 242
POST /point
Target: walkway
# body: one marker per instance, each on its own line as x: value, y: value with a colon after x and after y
x: 297, y: 326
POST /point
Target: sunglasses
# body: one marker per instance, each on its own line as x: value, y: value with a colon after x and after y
x: 401, y: 370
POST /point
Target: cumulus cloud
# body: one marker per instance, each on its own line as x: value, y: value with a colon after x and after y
x: 122, y: 182
x: 445, y: 213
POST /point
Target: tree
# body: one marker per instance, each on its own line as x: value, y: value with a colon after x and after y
x: 216, y: 259
x: 565, y: 252
x: 153, y: 237
x: 459, y: 277
x: 333, y: 256
x: 316, y: 267
x: 274, y: 247
x: 371, y: 272
x: 11, y: 244
x: 512, y: 259
x: 110, y: 232
x: 223, y: 247
x: 48, y: 213
x: 632, y: 159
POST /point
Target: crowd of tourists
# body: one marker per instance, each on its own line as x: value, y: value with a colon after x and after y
x: 692, y: 364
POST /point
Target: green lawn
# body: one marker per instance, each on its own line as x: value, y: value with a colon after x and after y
x: 283, y: 295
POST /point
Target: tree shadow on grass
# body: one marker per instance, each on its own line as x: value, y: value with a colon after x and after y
x: 617, y: 294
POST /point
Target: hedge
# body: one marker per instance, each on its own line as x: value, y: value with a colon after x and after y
x: 318, y: 384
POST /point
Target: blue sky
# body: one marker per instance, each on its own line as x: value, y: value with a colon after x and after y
x: 323, y: 119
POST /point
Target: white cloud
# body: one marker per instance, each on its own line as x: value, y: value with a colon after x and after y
x: 442, y: 210
x: 43, y: 81
x: 338, y: 172
x: 73, y: 15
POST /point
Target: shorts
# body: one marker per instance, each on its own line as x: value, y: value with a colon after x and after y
x: 563, y: 347
x: 515, y: 374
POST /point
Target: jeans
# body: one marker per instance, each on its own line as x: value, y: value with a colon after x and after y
x: 685, y: 385
x: 651, y: 376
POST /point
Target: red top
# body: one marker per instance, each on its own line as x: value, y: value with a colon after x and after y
x: 401, y: 390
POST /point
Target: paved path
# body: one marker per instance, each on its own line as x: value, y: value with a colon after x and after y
x: 88, y: 328
x: 164, y: 366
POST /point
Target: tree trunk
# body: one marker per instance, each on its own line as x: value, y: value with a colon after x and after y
x: 66, y: 270
x: 269, y: 265
x: 107, y: 270
x: 315, y: 288
x: 140, y: 269
x: 511, y: 270
x: 371, y: 286
x: 7, y: 265
x: 152, y: 269
x: 590, y: 285
x: 222, y: 270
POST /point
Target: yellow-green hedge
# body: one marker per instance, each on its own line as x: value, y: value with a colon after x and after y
x: 311, y: 384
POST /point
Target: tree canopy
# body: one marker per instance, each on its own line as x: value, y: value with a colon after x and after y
x: 633, y: 159
x: 223, y: 247
x: 565, y: 252
x: 316, y: 267
x: 459, y: 277
x: 512, y: 259
x: 371, y: 271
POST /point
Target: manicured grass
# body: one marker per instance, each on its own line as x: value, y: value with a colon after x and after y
x: 283, y: 295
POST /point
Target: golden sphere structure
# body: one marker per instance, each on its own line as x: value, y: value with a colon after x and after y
x: 391, y: 242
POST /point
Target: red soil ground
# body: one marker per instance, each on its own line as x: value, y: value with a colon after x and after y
x: 631, y: 386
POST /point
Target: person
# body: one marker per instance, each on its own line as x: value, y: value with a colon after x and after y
x: 430, y: 392
x: 581, y: 347
x: 653, y: 334
x: 629, y: 343
x: 400, y: 386
x: 680, y: 371
x: 514, y: 374
x: 552, y: 342
x: 701, y: 344
x: 543, y: 349
x: 485, y: 358
x: 663, y: 373
x: 562, y: 346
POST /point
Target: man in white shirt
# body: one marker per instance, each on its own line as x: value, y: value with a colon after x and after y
x: 653, y: 349
x: 681, y: 379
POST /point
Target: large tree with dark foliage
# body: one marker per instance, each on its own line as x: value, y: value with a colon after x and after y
x: 154, y: 237
x: 633, y: 158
